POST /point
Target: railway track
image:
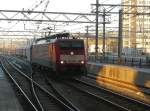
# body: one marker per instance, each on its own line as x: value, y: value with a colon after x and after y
x: 123, y: 101
x: 94, y: 102
x: 78, y: 95
x: 44, y: 101
x: 48, y: 103
x: 23, y: 88
x: 40, y: 79
x: 83, y: 100
x: 25, y: 73
x: 78, y: 99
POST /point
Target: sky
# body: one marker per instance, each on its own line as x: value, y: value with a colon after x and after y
x: 82, y: 6
x: 54, y: 5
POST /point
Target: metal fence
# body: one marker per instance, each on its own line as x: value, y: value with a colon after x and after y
x: 127, y: 61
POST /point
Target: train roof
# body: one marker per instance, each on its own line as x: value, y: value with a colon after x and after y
x: 55, y: 37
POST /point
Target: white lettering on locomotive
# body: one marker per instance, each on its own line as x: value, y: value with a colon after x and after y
x: 72, y: 58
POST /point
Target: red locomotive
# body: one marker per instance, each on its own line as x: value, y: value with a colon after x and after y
x: 59, y: 52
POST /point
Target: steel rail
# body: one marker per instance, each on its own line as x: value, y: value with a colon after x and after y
x: 24, y: 94
x: 62, y: 97
x: 43, y: 89
x: 100, y: 98
x: 40, y: 107
x: 134, y: 100
x: 35, y: 95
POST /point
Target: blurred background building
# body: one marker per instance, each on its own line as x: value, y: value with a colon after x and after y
x: 136, y: 27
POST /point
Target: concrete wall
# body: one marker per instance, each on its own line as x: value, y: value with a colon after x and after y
x: 135, y: 76
x: 133, y: 82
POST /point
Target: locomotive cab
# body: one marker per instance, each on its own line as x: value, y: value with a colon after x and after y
x: 71, y: 55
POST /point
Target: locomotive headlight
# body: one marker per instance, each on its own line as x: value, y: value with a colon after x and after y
x: 62, y: 62
x: 72, y: 53
x: 82, y: 62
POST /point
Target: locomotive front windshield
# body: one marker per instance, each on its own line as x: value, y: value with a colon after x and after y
x: 71, y: 45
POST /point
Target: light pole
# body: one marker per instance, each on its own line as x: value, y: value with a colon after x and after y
x: 96, y: 37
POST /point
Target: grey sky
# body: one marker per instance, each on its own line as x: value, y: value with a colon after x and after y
x: 54, y: 5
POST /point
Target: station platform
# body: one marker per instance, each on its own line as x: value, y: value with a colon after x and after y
x: 132, y: 75
x: 146, y: 70
x: 8, y: 99
x: 130, y: 81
